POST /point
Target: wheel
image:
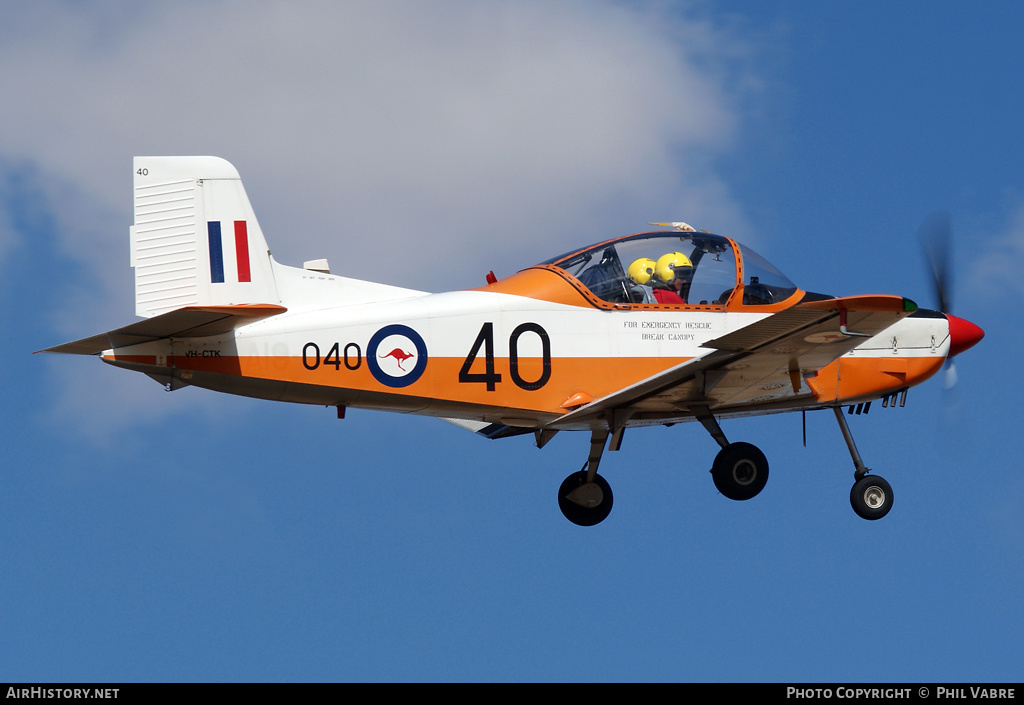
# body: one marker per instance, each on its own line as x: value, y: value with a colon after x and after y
x: 740, y: 471
x: 585, y: 503
x: 871, y: 497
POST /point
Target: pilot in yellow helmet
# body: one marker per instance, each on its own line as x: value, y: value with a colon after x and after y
x: 641, y: 270
x: 641, y: 273
x: 673, y: 271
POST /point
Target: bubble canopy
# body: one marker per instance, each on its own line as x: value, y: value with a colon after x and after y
x: 712, y: 271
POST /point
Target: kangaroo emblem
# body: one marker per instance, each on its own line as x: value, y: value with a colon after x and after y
x: 400, y: 357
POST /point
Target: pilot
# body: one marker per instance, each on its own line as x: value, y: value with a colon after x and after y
x: 640, y: 272
x: 672, y: 273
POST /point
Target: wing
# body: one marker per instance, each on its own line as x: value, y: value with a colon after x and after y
x: 191, y: 321
x: 759, y: 367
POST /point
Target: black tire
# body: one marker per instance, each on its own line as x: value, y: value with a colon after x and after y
x: 871, y: 497
x: 577, y: 513
x: 740, y: 471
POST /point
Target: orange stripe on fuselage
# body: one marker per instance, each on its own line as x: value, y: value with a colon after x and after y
x: 843, y: 380
x: 596, y: 376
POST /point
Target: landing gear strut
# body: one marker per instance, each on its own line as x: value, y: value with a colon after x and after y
x: 585, y: 497
x: 871, y: 496
x: 740, y: 472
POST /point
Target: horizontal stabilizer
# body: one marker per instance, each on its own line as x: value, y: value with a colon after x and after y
x: 188, y: 322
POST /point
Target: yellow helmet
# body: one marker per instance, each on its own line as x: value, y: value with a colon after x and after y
x: 641, y: 270
x: 666, y: 266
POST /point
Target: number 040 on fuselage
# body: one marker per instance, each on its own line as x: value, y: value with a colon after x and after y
x: 655, y: 328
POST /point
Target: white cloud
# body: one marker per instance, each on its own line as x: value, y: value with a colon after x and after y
x: 9, y: 237
x: 408, y: 142
x: 997, y: 269
x: 412, y: 125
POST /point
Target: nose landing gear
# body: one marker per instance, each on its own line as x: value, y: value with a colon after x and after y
x: 871, y: 496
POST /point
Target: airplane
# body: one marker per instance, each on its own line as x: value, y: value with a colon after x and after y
x: 656, y: 328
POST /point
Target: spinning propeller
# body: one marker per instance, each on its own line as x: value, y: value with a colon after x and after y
x: 935, y: 235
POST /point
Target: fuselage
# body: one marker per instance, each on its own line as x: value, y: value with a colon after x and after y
x: 522, y: 351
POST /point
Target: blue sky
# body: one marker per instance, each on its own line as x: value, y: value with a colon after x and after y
x: 154, y: 536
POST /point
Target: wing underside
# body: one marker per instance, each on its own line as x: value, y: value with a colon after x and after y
x: 760, y: 367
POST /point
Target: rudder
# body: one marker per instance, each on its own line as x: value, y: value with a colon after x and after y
x: 195, y: 240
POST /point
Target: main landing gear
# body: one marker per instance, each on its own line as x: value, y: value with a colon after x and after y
x: 740, y: 472
x: 585, y: 497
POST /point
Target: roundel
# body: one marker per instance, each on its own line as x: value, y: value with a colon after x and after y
x: 396, y: 356
x: 826, y: 337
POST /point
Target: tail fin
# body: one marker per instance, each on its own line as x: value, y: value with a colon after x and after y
x: 195, y: 241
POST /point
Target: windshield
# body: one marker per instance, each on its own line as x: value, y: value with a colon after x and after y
x: 763, y: 284
x: 657, y: 268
